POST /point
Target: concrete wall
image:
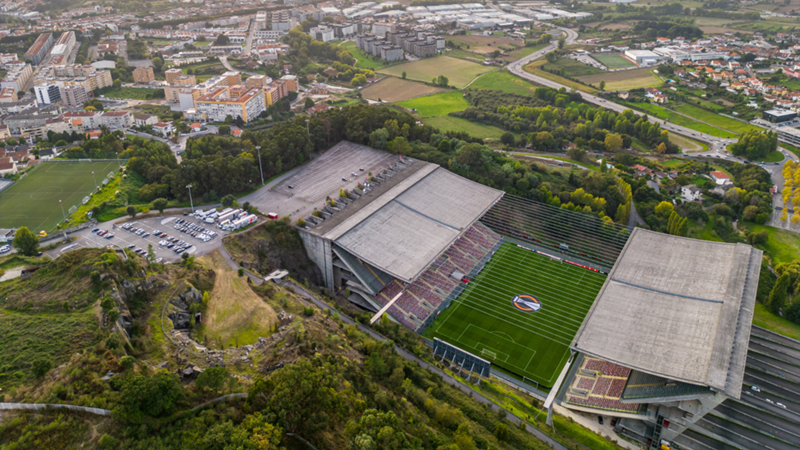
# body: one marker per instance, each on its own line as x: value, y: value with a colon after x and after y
x: 319, y: 250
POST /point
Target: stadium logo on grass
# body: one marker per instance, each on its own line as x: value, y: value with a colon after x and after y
x: 527, y: 303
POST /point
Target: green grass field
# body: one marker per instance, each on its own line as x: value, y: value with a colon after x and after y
x: 437, y: 104
x: 33, y: 201
x: 457, y: 124
x: 504, y: 81
x: 716, y: 120
x: 613, y: 61
x: 573, y: 68
x: 484, y: 320
x: 365, y: 61
x: 458, y: 71
x: 683, y: 121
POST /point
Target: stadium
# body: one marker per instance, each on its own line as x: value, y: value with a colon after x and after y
x: 648, y: 328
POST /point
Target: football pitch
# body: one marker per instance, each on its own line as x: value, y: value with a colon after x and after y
x: 33, y: 201
x: 484, y: 320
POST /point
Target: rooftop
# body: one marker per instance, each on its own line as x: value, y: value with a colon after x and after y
x: 678, y: 308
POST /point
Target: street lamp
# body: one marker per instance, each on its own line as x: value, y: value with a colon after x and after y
x: 95, y: 180
x: 189, y: 186
x: 118, y: 164
x: 307, y: 132
x: 62, y: 210
x: 258, y: 149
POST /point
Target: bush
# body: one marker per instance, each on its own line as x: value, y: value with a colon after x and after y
x: 40, y: 367
x: 241, y: 272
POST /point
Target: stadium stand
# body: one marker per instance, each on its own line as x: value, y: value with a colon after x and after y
x: 605, y: 404
x: 585, y: 383
x: 607, y: 368
x: 602, y: 385
x: 646, y: 386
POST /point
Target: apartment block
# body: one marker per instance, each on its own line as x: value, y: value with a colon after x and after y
x: 143, y: 75
x: 232, y: 78
x: 74, y: 96
x: 64, y: 44
x: 8, y: 95
x: 117, y: 119
x: 40, y: 47
x: 258, y: 81
x: 217, y: 104
x: 18, y: 76
x: 173, y: 74
x: 47, y: 94
x: 291, y: 82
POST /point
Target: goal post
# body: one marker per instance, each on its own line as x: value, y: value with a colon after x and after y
x: 489, y: 354
x: 84, y: 160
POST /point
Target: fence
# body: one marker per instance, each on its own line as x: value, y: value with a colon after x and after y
x: 5, y: 184
x: 60, y: 233
x: 47, y: 406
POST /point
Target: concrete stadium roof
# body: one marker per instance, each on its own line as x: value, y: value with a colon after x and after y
x: 414, y: 221
x: 678, y: 308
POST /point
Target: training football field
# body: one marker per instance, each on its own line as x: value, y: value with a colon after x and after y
x: 485, y: 321
x: 33, y: 201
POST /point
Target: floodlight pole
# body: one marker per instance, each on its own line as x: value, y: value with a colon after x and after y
x: 95, y: 180
x: 62, y: 210
x: 118, y: 164
x: 308, y: 133
x: 258, y: 149
x: 189, y: 186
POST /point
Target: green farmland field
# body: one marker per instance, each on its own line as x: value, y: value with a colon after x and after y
x: 33, y: 201
x: 484, y: 320
x: 458, y: 71
x: 437, y: 104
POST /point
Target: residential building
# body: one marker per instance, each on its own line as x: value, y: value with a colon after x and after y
x: 261, y: 20
x: 8, y: 95
x: 7, y: 166
x: 18, y: 76
x: 74, y: 96
x: 789, y: 135
x: 39, y: 49
x: 117, y: 119
x: 217, y: 104
x: 291, y: 82
x: 390, y: 54
x: 164, y: 129
x: 107, y: 46
x: 64, y: 44
x: 322, y: 33
x: 691, y: 192
x: 84, y: 120
x: 720, y: 177
x: 232, y: 78
x: 143, y: 75
x: 47, y: 93
x: 258, y: 81
x: 140, y: 120
x: 172, y: 75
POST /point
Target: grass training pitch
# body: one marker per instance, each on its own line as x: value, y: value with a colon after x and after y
x: 33, y: 201
x: 613, y: 61
x: 458, y: 71
x: 485, y: 321
x: 438, y: 104
x: 504, y: 81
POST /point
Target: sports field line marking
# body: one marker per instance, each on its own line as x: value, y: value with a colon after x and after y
x: 462, y: 333
x: 529, y: 361
x: 553, y: 337
x: 496, y: 352
x: 501, y: 332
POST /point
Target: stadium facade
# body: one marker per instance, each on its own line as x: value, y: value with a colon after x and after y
x: 407, y: 223
x: 666, y: 340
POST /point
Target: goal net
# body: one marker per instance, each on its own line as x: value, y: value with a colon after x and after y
x: 85, y: 160
x: 489, y: 354
x: 72, y: 209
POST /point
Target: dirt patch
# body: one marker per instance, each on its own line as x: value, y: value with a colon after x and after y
x: 485, y: 41
x: 394, y: 89
x: 721, y: 30
x: 235, y: 314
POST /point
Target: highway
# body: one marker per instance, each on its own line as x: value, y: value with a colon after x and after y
x: 518, y: 68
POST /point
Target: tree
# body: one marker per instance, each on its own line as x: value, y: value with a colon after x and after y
x: 152, y: 396
x: 376, y: 429
x: 758, y: 237
x: 501, y: 432
x: 107, y: 303
x: 113, y: 315
x: 613, y: 142
x: 755, y: 145
x: 664, y: 209
x: 309, y: 103
x: 676, y: 225
x: 158, y: 63
x: 507, y: 138
x: 160, y: 204
x: 777, y: 298
x: 228, y: 200
x: 222, y: 40
x: 131, y: 211
x: 358, y: 80
x: 41, y: 366
x: 26, y: 242
x: 561, y: 42
x: 602, y: 85
x: 213, y: 378
x: 551, y: 57
x: 403, y: 76
x: 127, y: 362
x: 224, y: 130
x: 750, y: 212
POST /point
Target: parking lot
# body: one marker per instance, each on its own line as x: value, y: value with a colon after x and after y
x: 129, y: 238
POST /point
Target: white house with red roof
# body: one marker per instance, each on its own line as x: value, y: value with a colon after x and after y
x: 720, y: 177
